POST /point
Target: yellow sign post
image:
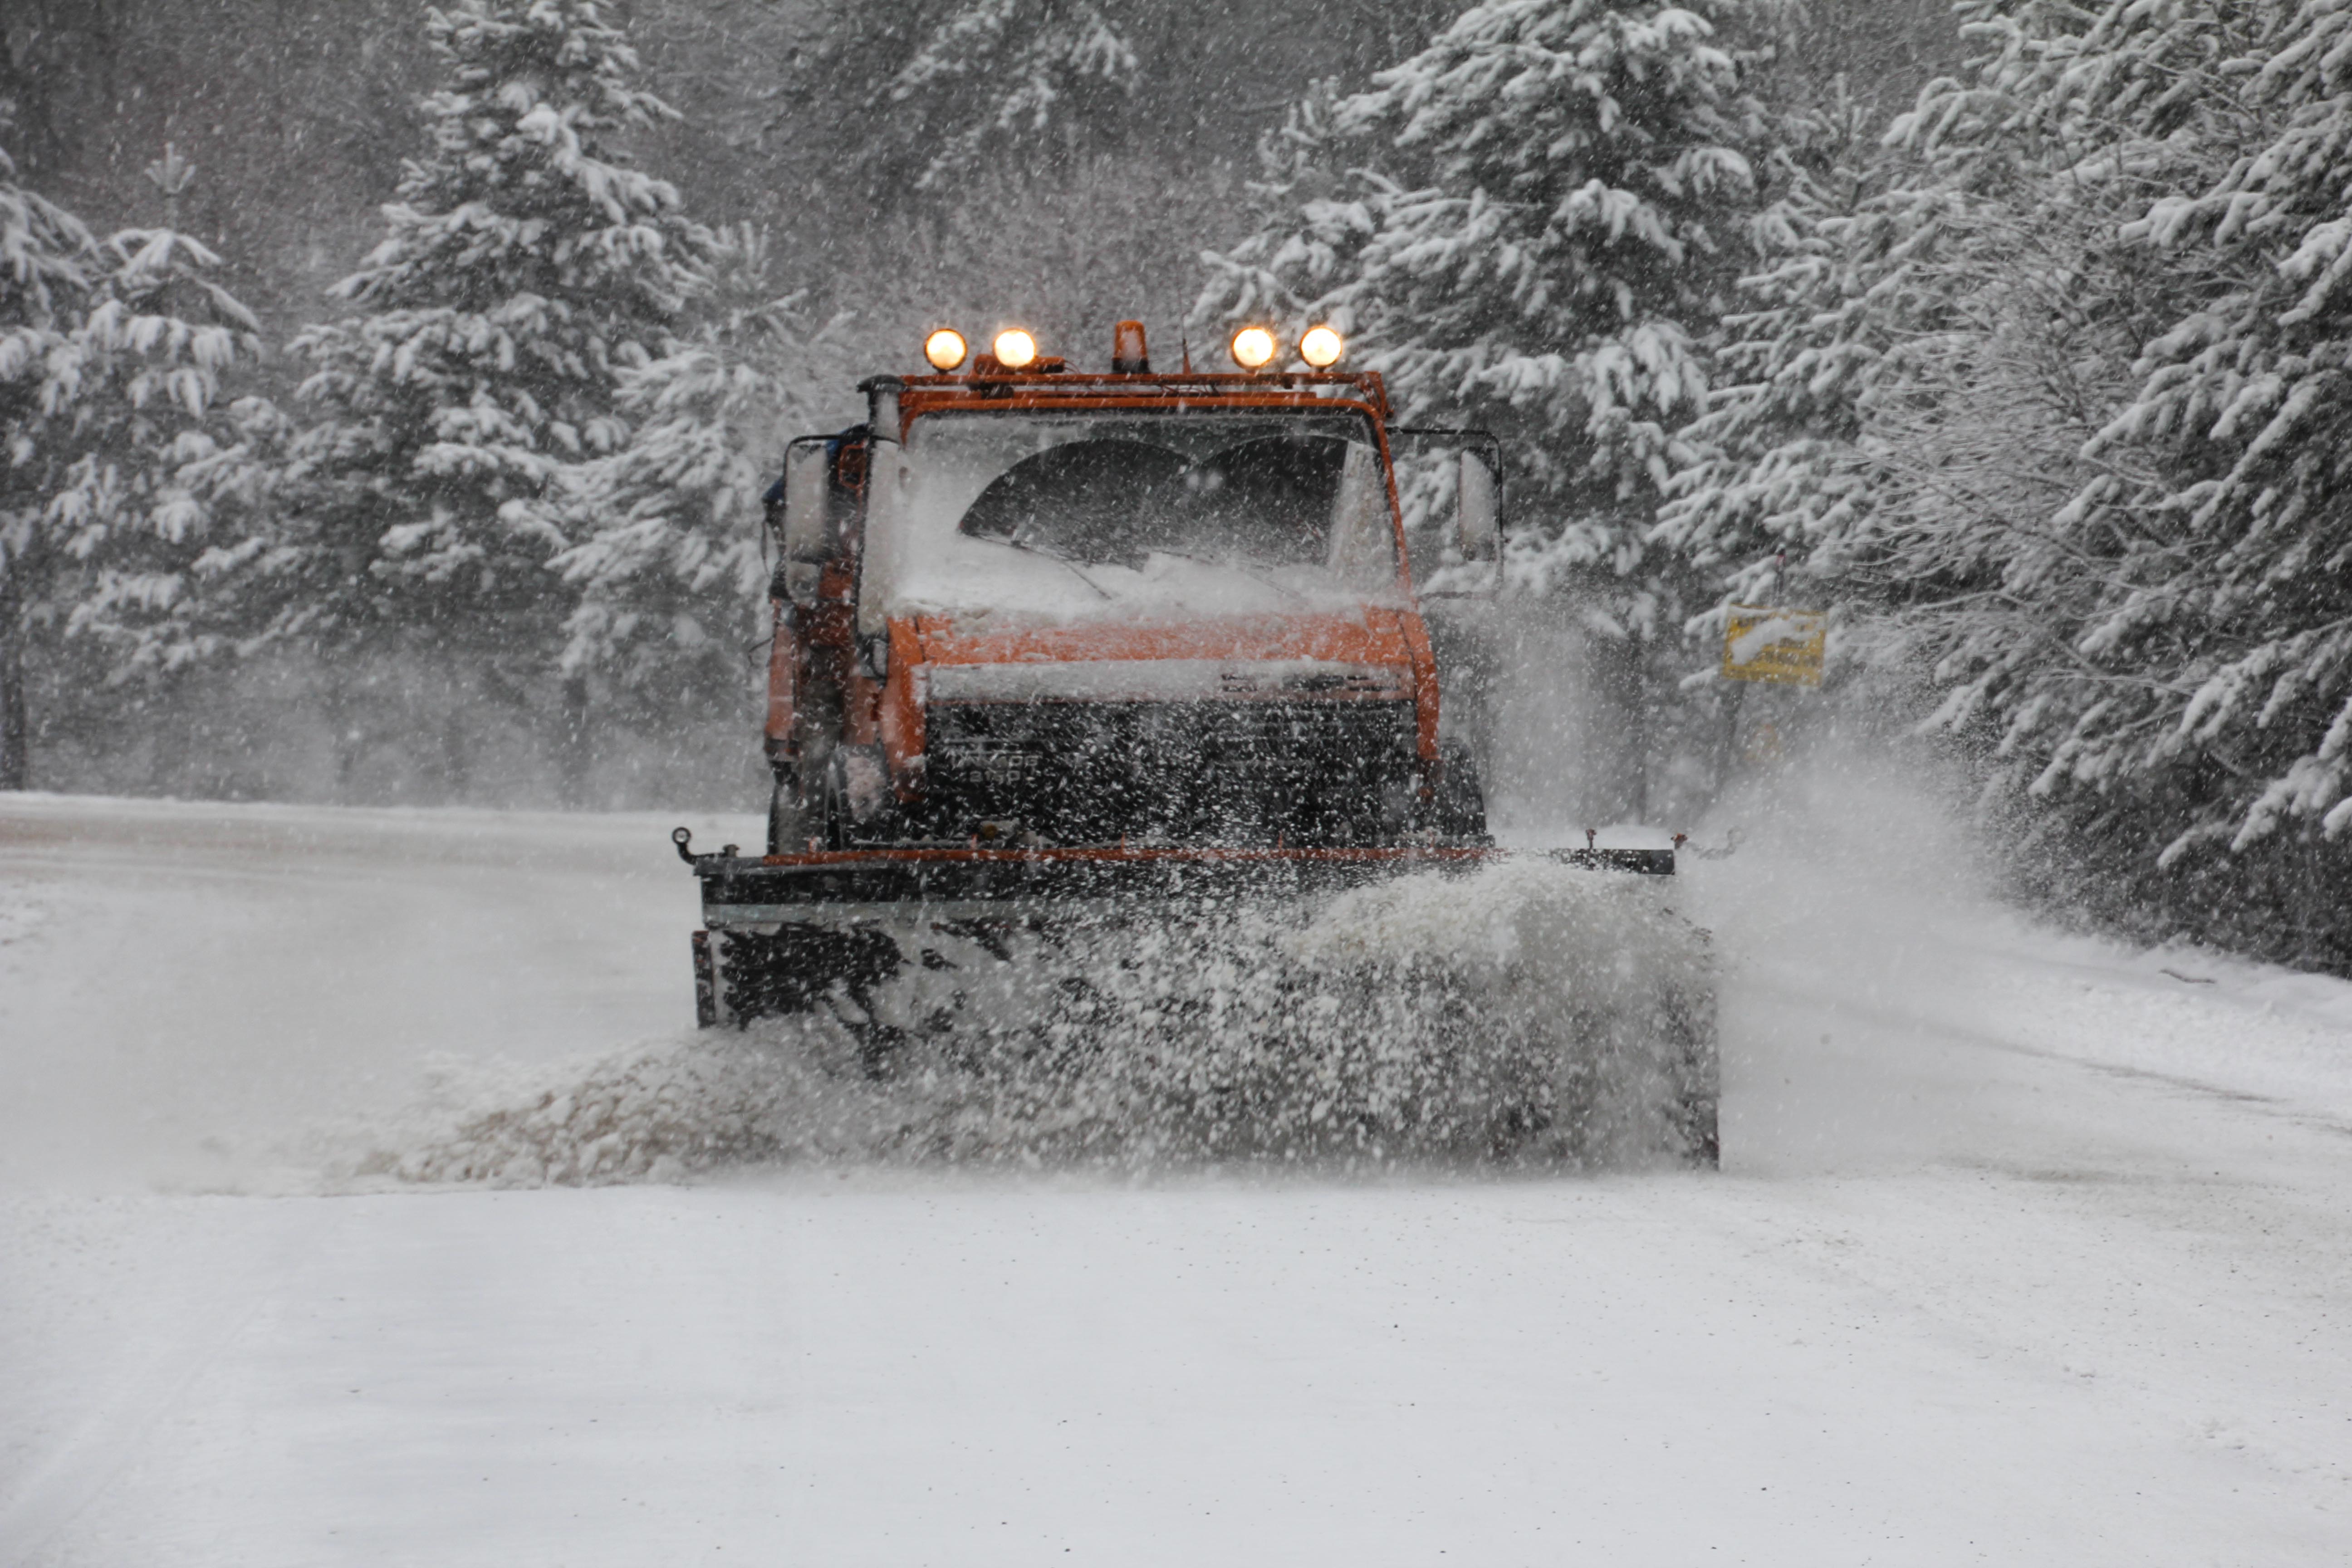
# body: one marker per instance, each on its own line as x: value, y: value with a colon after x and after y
x: 1784, y: 646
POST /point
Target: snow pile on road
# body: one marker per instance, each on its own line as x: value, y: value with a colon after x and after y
x: 1528, y: 1012
x: 658, y: 1111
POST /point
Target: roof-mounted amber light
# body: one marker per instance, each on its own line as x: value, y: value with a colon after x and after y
x: 1128, y: 353
x: 1015, y: 350
x: 1321, y: 347
x: 945, y: 349
x: 1253, y: 348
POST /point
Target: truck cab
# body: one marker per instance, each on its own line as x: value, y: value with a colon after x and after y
x: 1024, y: 607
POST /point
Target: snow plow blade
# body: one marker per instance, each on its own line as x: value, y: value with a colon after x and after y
x: 1442, y: 999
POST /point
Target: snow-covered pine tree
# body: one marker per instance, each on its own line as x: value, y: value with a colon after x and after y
x: 1532, y: 226
x: 952, y: 84
x: 2230, y: 454
x: 113, y: 360
x: 49, y: 257
x: 1913, y: 373
x: 1774, y: 473
x: 670, y: 569
x: 526, y: 268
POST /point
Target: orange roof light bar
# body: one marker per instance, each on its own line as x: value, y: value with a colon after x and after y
x: 1128, y: 354
x: 1032, y: 388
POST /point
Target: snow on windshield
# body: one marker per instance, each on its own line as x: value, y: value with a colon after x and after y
x: 1113, y: 515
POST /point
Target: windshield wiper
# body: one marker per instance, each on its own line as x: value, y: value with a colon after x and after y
x: 1062, y: 561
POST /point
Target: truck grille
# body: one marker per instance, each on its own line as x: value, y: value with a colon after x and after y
x: 1251, y: 772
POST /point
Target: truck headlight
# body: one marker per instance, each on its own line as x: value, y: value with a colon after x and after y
x: 1253, y: 348
x: 1321, y: 347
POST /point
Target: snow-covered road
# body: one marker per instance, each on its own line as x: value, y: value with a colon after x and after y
x: 2026, y: 1250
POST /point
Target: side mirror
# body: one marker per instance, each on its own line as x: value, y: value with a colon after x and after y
x: 806, y: 531
x: 1476, y: 516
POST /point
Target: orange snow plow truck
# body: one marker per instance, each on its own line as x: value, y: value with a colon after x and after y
x: 1054, y: 648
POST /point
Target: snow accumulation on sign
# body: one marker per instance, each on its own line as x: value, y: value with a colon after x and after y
x: 1784, y: 645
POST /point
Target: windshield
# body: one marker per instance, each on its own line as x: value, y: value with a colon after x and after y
x: 1215, y: 512
x: 1239, y: 493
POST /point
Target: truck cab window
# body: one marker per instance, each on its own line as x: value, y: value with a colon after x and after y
x: 1268, y: 502
x: 1118, y: 488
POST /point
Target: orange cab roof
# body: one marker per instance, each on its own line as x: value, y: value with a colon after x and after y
x: 1079, y: 390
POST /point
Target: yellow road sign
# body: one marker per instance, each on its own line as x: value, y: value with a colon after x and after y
x: 1782, y: 646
